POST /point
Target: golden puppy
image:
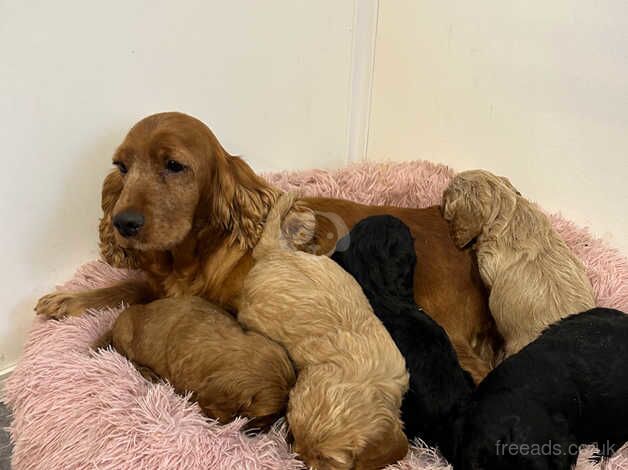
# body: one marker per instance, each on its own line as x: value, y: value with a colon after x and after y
x: 200, y: 348
x: 344, y: 409
x: 533, y: 278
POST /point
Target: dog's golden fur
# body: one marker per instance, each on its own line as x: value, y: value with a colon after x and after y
x: 533, y: 278
x: 200, y: 348
x: 344, y: 409
x: 202, y: 222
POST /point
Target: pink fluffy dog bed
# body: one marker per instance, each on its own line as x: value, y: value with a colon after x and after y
x: 74, y: 408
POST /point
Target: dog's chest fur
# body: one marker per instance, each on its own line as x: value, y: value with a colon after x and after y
x: 210, y: 276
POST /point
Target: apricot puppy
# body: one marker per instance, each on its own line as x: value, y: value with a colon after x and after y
x: 343, y: 411
x: 200, y: 348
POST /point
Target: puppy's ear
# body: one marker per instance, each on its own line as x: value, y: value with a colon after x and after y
x: 448, y: 204
x: 111, y: 252
x: 464, y: 219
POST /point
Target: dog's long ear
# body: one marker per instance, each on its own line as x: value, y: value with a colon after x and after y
x: 239, y: 199
x: 111, y: 252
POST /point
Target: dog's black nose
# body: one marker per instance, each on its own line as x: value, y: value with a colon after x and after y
x: 128, y: 223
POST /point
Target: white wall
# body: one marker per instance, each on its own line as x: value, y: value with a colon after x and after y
x: 271, y: 78
x: 536, y: 90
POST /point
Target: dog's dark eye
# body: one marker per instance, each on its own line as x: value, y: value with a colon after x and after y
x: 121, y: 166
x: 174, y: 166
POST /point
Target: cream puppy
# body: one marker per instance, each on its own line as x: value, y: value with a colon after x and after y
x: 533, y: 278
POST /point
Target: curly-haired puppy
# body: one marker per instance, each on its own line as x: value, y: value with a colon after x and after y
x: 379, y: 254
x: 569, y: 387
x: 200, y: 348
x: 533, y: 278
x: 343, y: 411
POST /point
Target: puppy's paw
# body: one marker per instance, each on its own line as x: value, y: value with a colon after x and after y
x: 59, y: 305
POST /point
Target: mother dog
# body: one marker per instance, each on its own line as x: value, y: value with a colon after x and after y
x: 186, y: 213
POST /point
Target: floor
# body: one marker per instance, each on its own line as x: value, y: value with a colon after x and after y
x: 5, y: 443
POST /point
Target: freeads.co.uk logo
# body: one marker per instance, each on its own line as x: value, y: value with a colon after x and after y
x: 551, y: 448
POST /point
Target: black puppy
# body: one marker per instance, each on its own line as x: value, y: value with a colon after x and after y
x: 379, y: 253
x: 566, y: 388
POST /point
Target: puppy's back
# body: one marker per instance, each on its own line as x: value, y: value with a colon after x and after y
x: 596, y: 352
x: 351, y: 375
x: 586, y: 349
x: 569, y: 386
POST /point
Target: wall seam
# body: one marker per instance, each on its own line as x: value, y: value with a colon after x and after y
x: 361, y: 79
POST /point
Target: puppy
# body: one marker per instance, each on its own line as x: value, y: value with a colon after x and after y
x: 379, y: 254
x: 533, y: 278
x: 569, y: 387
x: 200, y: 348
x: 343, y: 411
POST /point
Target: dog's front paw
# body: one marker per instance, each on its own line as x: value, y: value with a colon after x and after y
x: 59, y: 305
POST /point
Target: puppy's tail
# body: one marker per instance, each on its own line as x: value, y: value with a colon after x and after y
x: 271, y: 236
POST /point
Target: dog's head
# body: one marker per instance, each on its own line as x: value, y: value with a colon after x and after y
x: 497, y: 435
x: 173, y: 176
x: 388, y: 447
x: 379, y: 254
x: 475, y: 201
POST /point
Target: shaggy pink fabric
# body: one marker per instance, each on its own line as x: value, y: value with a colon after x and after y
x: 74, y: 408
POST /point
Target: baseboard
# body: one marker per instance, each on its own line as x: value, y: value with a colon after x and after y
x: 4, y: 374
